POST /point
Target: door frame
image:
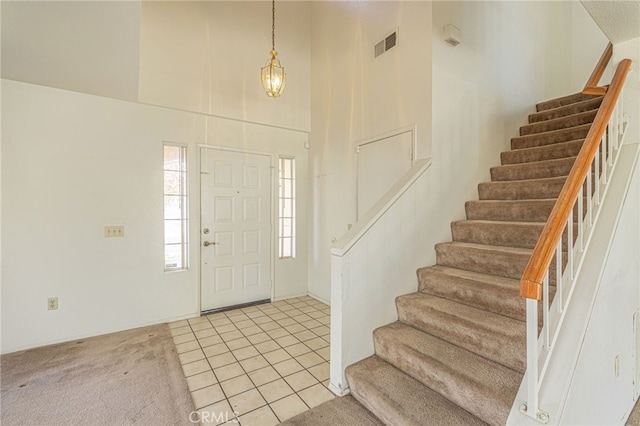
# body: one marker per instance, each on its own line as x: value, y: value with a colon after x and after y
x: 272, y: 211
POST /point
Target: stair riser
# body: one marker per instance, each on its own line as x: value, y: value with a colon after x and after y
x: 551, y: 152
x: 497, y: 233
x: 550, y: 138
x: 505, y: 346
x: 512, y: 210
x: 502, y: 234
x: 524, y: 210
x: 537, y: 170
x: 558, y: 123
x: 566, y: 100
x: 566, y: 110
x: 501, y: 300
x: 502, y: 264
x: 521, y: 190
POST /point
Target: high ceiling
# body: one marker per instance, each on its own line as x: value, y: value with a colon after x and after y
x: 619, y: 20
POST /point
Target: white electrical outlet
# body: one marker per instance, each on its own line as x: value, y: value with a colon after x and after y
x: 52, y: 303
x: 113, y: 231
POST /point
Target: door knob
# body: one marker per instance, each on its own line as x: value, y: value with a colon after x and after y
x: 207, y: 244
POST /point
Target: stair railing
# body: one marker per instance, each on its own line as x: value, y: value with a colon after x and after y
x: 567, y: 233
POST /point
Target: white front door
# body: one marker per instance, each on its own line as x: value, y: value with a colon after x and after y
x: 235, y: 234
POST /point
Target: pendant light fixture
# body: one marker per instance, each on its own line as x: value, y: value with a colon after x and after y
x: 273, y: 73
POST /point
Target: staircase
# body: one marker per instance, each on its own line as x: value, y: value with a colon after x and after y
x: 456, y: 356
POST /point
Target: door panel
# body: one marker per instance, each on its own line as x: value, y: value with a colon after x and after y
x: 236, y: 222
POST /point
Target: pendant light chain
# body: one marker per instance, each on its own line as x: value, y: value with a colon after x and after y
x: 273, y: 25
x: 272, y: 74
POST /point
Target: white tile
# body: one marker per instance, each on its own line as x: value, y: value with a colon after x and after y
x: 254, y: 363
x: 195, y: 367
x: 288, y: 407
x: 320, y: 371
x: 228, y: 371
x: 188, y: 337
x: 275, y: 390
x: 264, y: 375
x: 287, y: 341
x: 309, y: 360
x: 261, y: 417
x: 315, y: 395
x: 297, y: 349
x: 288, y: 367
x: 201, y: 334
x: 222, y: 359
x: 236, y: 385
x: 268, y: 346
x: 178, y: 324
x: 187, y: 347
x: 245, y: 353
x: 180, y: 330
x: 191, y: 356
x: 215, y: 414
x: 201, y: 380
x: 207, y: 396
x: 216, y: 349
x: 301, y: 380
x: 238, y: 343
x: 277, y: 356
x: 247, y: 401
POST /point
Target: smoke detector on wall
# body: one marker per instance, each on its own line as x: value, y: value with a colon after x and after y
x: 452, y: 34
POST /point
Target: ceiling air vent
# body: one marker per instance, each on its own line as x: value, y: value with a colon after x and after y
x: 387, y: 43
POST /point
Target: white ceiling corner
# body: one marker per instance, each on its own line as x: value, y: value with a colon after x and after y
x: 619, y: 20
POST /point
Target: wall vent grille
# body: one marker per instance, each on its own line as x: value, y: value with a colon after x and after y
x: 385, y: 44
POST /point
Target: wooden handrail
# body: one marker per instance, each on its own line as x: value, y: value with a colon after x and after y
x: 592, y: 88
x: 534, y: 273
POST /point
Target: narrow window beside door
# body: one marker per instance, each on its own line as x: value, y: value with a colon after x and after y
x: 175, y: 207
x: 287, y: 210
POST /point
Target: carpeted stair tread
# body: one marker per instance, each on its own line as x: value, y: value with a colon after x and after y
x: 562, y: 101
x: 521, y: 189
x: 510, y: 210
x: 534, y: 170
x: 574, y: 108
x: 481, y: 386
x: 398, y: 399
x: 550, y: 138
x: 495, y: 294
x: 568, y: 121
x: 498, y: 260
x: 542, y: 153
x: 497, y: 233
x: 496, y: 337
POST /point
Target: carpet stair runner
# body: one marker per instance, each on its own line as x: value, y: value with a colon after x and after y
x: 456, y: 355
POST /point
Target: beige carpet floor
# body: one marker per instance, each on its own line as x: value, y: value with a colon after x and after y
x: 127, y: 378
x: 345, y: 411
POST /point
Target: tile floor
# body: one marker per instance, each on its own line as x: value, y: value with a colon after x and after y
x: 258, y: 365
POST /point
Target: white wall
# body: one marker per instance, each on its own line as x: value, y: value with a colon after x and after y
x: 355, y: 98
x: 206, y: 57
x: 599, y: 394
x: 586, y: 37
x: 85, y: 46
x: 73, y: 163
